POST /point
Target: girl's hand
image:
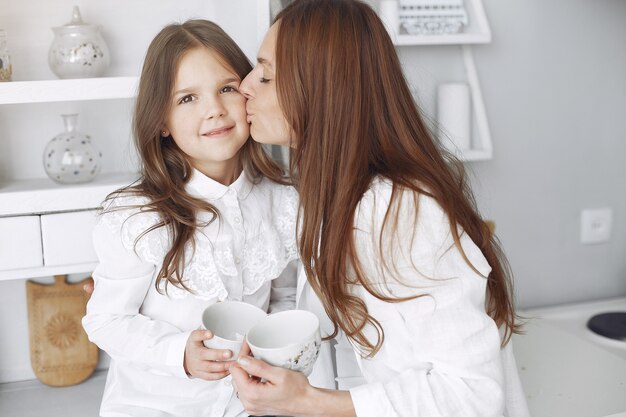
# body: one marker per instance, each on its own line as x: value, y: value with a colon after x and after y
x: 202, y: 362
x: 282, y: 392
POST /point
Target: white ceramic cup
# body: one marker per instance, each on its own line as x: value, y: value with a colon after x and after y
x: 289, y: 339
x: 229, y: 321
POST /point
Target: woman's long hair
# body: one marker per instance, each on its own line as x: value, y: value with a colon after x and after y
x: 342, y: 90
x: 165, y: 169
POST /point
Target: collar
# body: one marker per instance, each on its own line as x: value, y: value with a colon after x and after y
x: 207, y: 188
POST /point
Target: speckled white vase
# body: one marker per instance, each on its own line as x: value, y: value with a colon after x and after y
x: 70, y: 157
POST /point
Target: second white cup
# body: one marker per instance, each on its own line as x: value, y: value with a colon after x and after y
x: 289, y: 339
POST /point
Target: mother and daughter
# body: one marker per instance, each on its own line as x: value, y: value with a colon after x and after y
x: 395, y: 256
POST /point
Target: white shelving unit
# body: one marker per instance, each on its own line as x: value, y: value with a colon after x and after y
x: 48, y: 91
x: 35, y: 89
x: 476, y: 32
x: 44, y: 196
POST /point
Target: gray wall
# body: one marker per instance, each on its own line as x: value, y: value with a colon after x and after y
x: 554, y: 82
x: 554, y: 85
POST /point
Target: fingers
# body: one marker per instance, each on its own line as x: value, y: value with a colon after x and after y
x: 245, y: 349
x: 88, y: 286
x: 217, y: 367
x: 258, y: 368
x: 210, y: 371
x: 216, y: 354
x: 198, y: 336
x: 240, y: 376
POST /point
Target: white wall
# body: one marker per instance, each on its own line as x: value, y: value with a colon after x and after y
x: 554, y: 84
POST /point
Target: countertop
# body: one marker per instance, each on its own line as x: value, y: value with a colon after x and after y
x: 568, y: 371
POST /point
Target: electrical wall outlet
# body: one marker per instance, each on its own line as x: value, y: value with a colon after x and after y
x: 595, y: 225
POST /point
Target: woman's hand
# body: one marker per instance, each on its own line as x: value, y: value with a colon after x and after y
x: 269, y: 390
x: 202, y: 362
x: 282, y: 392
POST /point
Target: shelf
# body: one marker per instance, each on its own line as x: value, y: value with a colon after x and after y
x: 474, y: 155
x: 42, y: 195
x: 46, y: 91
x: 46, y: 271
x: 476, y: 32
x: 457, y: 39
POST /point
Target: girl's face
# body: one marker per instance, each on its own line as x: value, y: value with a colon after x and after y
x: 207, y: 117
x: 267, y: 122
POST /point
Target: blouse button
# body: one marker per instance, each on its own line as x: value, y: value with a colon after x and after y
x: 237, y: 260
x: 237, y: 220
x: 227, y: 383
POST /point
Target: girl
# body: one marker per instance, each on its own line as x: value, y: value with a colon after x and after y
x: 210, y: 219
x: 391, y: 240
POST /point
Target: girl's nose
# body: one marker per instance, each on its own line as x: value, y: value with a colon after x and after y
x: 214, y: 108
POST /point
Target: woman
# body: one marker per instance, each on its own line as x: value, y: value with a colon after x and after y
x: 389, y: 236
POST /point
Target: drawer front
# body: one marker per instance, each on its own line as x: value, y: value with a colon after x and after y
x: 67, y: 238
x: 20, y: 242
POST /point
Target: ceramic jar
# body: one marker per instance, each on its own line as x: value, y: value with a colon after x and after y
x: 70, y: 157
x: 78, y: 50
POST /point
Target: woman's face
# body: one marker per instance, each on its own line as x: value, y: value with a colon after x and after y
x: 266, y: 118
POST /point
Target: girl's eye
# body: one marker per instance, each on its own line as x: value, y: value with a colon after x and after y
x: 228, y: 89
x: 264, y: 80
x: 186, y: 99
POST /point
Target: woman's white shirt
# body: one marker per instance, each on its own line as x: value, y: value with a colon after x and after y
x: 249, y: 254
x: 441, y: 354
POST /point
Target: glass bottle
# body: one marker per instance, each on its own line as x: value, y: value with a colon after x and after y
x: 70, y: 157
x: 6, y: 69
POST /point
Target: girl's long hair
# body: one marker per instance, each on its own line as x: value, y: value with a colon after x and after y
x: 165, y: 169
x: 342, y: 90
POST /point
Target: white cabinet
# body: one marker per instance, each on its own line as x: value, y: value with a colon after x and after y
x: 20, y: 242
x: 66, y: 238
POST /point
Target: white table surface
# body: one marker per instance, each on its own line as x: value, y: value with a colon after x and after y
x: 567, y: 370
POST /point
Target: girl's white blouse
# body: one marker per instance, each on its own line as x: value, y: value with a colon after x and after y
x: 248, y: 254
x: 441, y: 354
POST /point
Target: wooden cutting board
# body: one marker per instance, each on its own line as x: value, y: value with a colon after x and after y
x: 60, y: 352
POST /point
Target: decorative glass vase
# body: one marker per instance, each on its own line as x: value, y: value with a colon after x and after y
x: 70, y: 157
x: 78, y: 50
x: 5, y: 59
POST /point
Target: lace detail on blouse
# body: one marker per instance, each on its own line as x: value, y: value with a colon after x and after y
x: 264, y: 256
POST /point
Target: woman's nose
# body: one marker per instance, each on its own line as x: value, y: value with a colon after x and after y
x: 246, y: 87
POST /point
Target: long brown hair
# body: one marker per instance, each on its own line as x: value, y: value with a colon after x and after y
x: 165, y: 168
x: 341, y: 87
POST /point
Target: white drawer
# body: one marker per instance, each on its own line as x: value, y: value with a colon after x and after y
x: 20, y: 242
x: 67, y: 237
